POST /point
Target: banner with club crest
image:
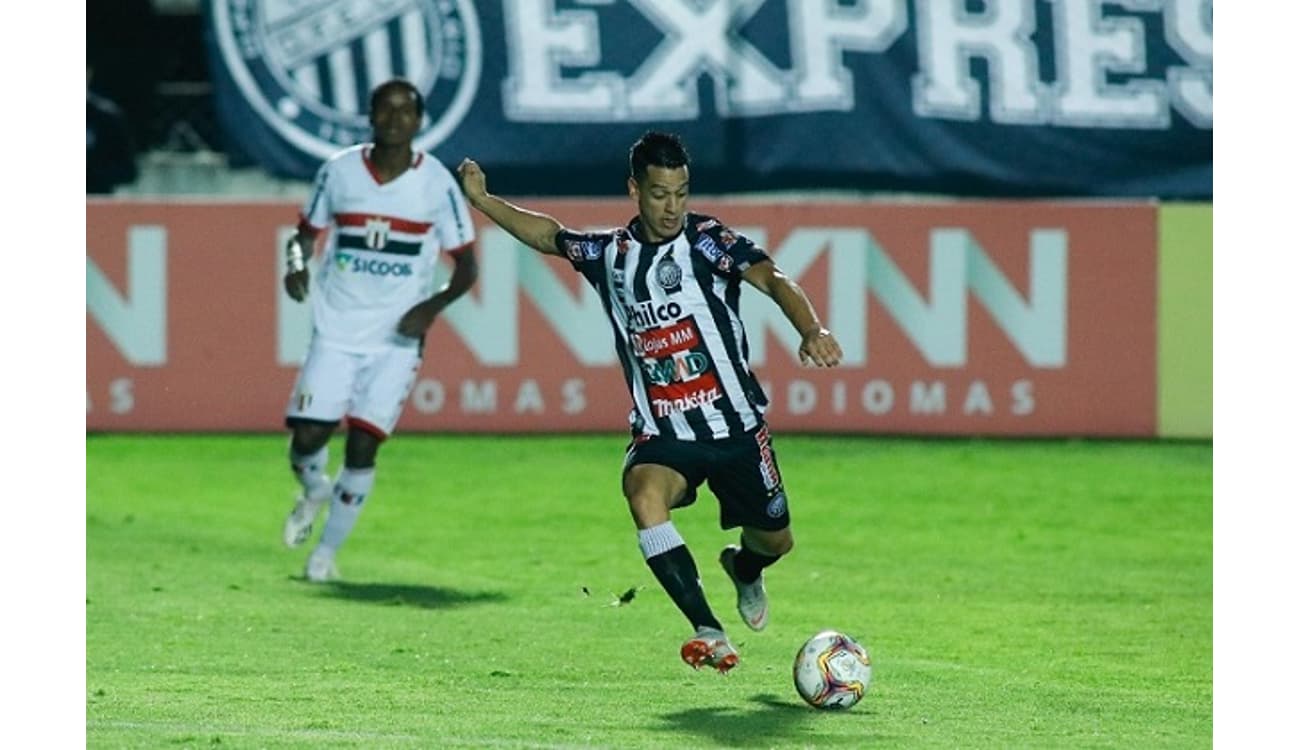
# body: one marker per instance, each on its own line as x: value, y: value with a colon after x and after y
x: 999, y: 97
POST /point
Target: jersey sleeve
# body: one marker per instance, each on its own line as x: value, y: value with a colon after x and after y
x: 452, y: 223
x: 315, y: 213
x: 730, y: 252
x: 586, y: 251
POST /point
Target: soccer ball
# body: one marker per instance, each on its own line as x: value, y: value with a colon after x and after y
x: 832, y: 671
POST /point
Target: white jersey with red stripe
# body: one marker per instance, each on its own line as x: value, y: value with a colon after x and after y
x: 383, y: 247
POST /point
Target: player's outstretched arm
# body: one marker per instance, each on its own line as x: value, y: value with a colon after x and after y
x: 536, y: 230
x: 819, y: 347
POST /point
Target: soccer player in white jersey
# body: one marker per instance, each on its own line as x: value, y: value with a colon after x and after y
x: 670, y: 283
x: 393, y: 211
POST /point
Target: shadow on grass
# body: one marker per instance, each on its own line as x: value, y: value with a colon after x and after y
x: 405, y: 595
x: 770, y: 721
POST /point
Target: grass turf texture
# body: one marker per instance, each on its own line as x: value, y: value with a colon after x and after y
x: 1012, y: 594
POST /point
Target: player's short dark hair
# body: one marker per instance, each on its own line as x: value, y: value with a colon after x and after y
x: 657, y: 149
x: 400, y: 83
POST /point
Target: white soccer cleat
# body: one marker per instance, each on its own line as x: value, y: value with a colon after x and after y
x: 320, y: 566
x: 709, y: 647
x: 751, y: 598
x: 297, y: 527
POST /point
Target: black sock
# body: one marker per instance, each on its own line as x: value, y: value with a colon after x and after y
x: 750, y: 563
x: 677, y: 573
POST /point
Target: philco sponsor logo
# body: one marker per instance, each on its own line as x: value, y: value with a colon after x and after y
x: 647, y: 314
x: 304, y: 68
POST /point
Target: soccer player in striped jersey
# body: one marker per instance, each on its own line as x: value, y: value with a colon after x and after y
x: 391, y: 211
x: 670, y: 284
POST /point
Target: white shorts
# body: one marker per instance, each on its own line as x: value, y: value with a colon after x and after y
x: 369, y: 389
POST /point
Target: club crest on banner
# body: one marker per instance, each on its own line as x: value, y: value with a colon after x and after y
x: 307, y: 68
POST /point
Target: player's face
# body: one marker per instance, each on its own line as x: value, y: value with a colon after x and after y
x: 395, y: 117
x: 661, y: 200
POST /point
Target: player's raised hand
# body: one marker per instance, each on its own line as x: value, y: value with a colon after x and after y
x: 472, y: 179
x: 820, y: 349
x: 296, y: 284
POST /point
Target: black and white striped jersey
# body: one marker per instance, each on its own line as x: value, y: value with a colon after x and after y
x: 675, y: 311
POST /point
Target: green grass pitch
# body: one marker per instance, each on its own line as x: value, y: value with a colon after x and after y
x: 1012, y: 594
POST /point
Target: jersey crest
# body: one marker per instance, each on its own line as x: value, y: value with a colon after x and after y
x: 377, y: 233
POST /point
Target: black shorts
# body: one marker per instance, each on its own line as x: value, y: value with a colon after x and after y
x: 741, y: 472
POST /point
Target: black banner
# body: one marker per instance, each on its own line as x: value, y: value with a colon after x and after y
x: 965, y: 97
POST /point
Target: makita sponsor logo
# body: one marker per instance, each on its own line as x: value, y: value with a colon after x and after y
x: 665, y: 406
x: 679, y: 397
x: 649, y: 315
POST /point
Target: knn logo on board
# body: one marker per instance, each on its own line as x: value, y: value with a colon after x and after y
x: 306, y: 67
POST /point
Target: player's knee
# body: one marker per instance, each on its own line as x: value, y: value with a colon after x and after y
x: 780, y: 544
x: 771, y: 543
x: 362, y: 449
x: 309, y: 437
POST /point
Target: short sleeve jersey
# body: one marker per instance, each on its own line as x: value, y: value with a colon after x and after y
x: 382, y: 252
x: 675, y: 312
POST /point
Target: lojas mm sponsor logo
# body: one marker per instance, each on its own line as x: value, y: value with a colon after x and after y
x: 307, y: 68
x: 372, y: 266
x: 647, y: 314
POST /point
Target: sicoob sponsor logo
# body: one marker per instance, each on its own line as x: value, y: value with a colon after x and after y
x: 372, y: 266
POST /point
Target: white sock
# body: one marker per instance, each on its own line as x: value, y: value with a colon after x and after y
x: 657, y: 540
x: 310, y: 469
x: 350, y: 493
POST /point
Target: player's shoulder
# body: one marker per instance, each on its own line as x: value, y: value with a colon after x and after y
x: 434, y: 171
x: 700, y: 223
x: 705, y: 229
x: 351, y: 154
x: 432, y: 165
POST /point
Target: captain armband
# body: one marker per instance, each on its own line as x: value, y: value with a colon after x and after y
x: 294, y: 259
